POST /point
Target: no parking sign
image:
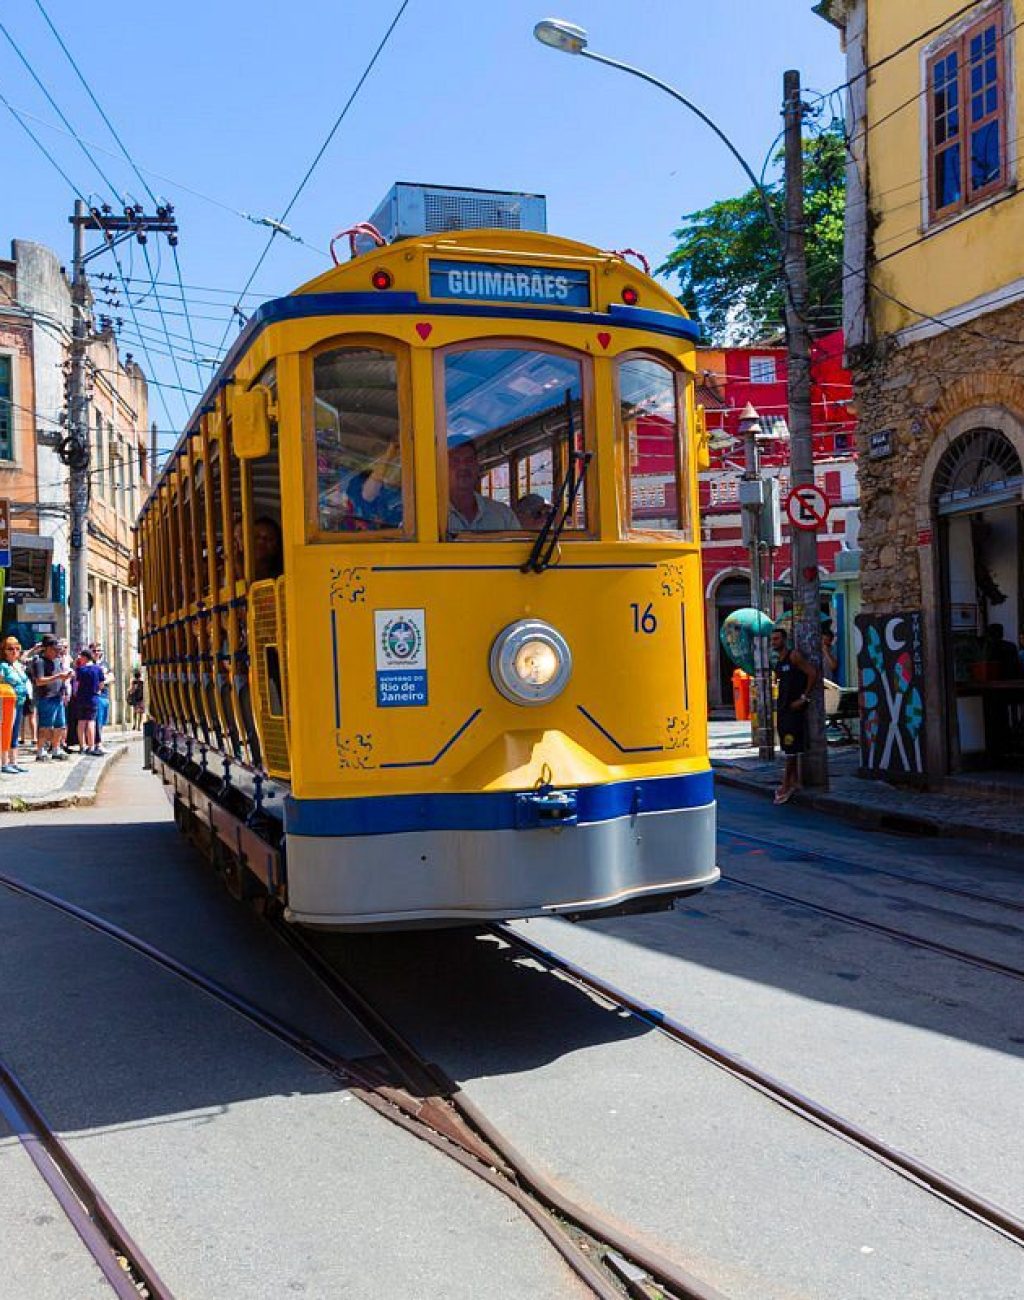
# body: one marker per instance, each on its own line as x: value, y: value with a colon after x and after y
x: 807, y: 507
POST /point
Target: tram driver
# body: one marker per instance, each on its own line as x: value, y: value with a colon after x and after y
x: 468, y: 509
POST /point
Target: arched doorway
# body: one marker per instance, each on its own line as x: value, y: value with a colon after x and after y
x: 731, y: 591
x: 977, y: 496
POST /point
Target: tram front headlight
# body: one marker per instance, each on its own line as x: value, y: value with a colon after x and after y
x: 536, y: 663
x: 530, y: 662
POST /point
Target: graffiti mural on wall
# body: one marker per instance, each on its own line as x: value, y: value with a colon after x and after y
x: 890, y: 663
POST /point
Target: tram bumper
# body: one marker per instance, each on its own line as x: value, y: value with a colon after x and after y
x: 554, y: 858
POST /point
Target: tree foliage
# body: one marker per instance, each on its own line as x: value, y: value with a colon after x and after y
x: 727, y: 260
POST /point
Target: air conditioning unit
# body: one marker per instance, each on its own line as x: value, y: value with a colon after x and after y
x: 409, y: 210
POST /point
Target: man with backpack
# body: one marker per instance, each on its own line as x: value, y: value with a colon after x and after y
x: 49, y: 674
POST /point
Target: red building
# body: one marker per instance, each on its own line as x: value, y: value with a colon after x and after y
x: 729, y: 378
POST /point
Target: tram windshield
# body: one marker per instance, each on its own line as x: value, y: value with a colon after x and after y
x: 358, y: 441
x: 513, y: 416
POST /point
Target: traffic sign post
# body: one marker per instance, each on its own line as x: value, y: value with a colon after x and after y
x: 5, y: 533
x: 807, y: 507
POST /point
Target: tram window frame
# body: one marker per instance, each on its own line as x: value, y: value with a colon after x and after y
x: 255, y: 509
x: 174, y: 570
x: 216, y: 557
x: 520, y: 343
x: 186, y: 533
x: 683, y: 532
x: 237, y: 504
x: 314, y: 533
x: 200, y: 490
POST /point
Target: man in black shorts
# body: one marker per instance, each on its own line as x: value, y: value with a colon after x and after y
x: 796, y: 677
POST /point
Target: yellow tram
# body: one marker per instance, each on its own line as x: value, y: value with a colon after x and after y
x: 423, y: 645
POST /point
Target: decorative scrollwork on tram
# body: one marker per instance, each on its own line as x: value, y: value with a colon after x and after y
x: 349, y: 585
x: 677, y: 732
x: 672, y: 579
x: 355, y: 751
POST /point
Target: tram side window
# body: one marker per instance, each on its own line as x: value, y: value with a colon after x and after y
x: 265, y: 541
x: 217, y: 513
x: 203, y: 576
x: 358, y: 441
x: 657, y: 490
x: 514, y: 430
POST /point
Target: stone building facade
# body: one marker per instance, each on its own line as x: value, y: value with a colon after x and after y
x: 934, y: 322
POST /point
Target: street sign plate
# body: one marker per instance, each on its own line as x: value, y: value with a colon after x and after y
x: 5, y: 533
x: 807, y: 507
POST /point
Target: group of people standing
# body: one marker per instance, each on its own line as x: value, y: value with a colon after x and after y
x: 50, y: 691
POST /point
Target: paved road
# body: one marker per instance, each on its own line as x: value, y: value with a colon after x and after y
x: 239, y: 1169
x: 920, y: 1049
x: 242, y: 1172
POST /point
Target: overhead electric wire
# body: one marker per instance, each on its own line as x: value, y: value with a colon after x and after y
x: 163, y: 322
x: 57, y: 109
x: 236, y: 309
x: 38, y: 143
x: 76, y: 190
x: 907, y: 45
x: 142, y: 180
x: 188, y: 318
x: 170, y: 180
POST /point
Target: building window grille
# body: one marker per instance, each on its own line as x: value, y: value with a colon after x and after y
x: 6, y: 409
x: 966, y: 98
x: 976, y: 468
x: 762, y: 370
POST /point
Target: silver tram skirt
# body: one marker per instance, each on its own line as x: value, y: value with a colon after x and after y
x: 440, y: 859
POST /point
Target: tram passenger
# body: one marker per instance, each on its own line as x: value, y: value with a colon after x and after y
x: 531, y: 511
x: 267, y: 549
x: 375, y: 494
x: 468, y: 510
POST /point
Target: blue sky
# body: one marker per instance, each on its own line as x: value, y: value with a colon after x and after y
x: 234, y: 100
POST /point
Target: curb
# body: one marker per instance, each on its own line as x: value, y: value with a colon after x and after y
x: 79, y: 791
x: 881, y: 819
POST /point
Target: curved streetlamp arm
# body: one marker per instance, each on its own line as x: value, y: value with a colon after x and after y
x: 670, y: 90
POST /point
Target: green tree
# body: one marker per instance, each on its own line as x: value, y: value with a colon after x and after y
x: 727, y: 259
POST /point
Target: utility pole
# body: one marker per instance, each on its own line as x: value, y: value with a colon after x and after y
x: 804, y: 543
x: 75, y: 451
x: 74, y: 448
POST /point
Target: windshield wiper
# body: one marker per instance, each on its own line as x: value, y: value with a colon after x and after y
x: 563, y: 505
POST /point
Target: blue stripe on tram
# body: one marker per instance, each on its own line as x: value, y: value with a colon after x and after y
x: 490, y: 810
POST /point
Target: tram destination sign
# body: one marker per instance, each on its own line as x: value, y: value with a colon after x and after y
x: 541, y: 286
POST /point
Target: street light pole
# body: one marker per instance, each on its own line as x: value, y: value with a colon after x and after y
x: 757, y: 534
x: 571, y: 39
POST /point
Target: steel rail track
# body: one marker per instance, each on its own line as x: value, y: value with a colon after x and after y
x: 947, y: 1189
x: 420, y: 1074
x: 819, y: 856
x: 876, y: 927
x: 427, y: 1113
x: 105, y: 1237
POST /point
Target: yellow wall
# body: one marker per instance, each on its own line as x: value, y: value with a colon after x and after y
x: 974, y: 254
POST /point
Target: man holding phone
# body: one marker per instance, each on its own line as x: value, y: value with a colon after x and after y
x: 49, y: 673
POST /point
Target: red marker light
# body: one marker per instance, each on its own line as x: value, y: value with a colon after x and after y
x: 630, y: 296
x: 381, y: 279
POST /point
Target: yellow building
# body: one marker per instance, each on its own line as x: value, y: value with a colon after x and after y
x: 934, y: 320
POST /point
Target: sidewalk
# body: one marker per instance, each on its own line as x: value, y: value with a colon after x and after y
x: 61, y: 785
x: 965, y: 808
